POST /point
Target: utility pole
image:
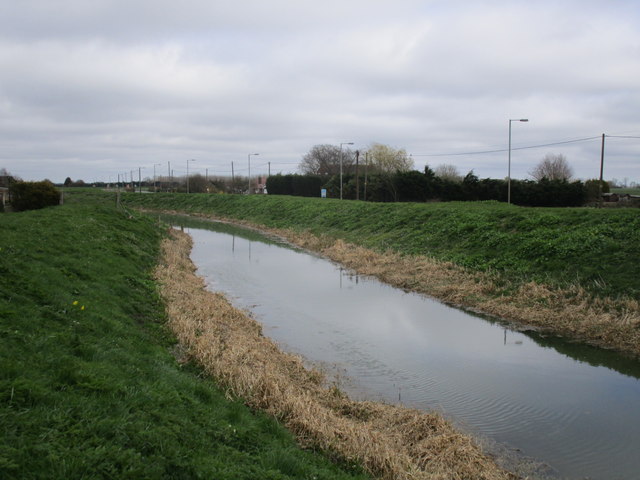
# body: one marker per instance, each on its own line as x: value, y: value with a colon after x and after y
x: 139, y: 180
x: 233, y: 179
x: 357, y: 179
x: 118, y: 194
x: 366, y: 166
x: 249, y: 161
x: 269, y: 169
x: 601, y: 170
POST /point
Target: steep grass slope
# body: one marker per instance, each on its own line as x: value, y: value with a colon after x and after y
x: 88, y: 385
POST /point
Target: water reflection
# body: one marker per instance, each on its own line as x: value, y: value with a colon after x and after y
x: 572, y: 406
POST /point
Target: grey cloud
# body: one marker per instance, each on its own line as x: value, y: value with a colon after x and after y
x: 122, y: 84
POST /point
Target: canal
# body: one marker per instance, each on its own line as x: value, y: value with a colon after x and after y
x: 574, y: 408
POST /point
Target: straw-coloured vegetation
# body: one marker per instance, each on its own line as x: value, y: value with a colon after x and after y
x: 390, y: 442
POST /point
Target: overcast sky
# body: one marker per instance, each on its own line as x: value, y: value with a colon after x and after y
x: 93, y: 88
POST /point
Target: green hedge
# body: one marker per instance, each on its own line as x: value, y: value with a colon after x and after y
x: 33, y: 195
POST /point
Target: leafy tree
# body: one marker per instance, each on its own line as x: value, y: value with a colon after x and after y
x: 552, y: 167
x: 448, y: 172
x: 68, y: 182
x: 33, y: 195
x: 324, y: 160
x: 386, y: 159
x: 413, y: 186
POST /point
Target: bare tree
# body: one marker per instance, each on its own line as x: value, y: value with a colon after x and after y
x: 552, y: 167
x: 386, y: 159
x: 448, y: 172
x: 198, y: 184
x: 325, y: 160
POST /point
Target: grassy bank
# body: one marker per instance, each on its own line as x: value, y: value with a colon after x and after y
x: 89, y: 387
x: 532, y: 267
x: 597, y: 249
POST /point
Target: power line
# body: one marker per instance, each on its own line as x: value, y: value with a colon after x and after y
x: 504, y: 149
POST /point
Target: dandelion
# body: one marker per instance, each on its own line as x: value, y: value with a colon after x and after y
x: 82, y: 307
x: 75, y: 302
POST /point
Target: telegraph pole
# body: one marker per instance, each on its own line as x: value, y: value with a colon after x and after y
x: 366, y: 166
x: 357, y: 179
x: 601, y: 170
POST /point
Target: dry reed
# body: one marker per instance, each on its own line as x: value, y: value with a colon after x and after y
x: 390, y: 442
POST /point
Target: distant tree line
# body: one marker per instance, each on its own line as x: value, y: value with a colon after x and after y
x: 415, y: 186
x: 387, y: 175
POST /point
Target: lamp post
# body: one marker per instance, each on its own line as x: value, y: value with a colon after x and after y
x: 345, y: 143
x: 190, y: 160
x: 139, y: 180
x: 509, y: 169
x: 249, y: 158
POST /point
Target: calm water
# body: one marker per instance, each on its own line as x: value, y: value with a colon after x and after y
x: 573, y: 408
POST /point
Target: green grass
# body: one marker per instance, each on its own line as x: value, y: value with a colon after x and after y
x: 597, y: 248
x: 629, y: 190
x: 95, y: 392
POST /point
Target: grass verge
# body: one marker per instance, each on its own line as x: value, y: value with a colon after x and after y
x: 89, y: 387
x: 391, y: 442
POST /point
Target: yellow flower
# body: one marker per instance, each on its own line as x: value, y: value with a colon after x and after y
x: 82, y: 307
x: 75, y: 302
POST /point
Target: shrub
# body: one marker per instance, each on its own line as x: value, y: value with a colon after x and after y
x: 33, y: 195
x: 593, y: 189
x: 291, y: 184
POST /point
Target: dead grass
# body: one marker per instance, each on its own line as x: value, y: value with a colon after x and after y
x: 390, y: 442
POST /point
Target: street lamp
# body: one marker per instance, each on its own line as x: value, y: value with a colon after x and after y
x: 345, y: 143
x: 189, y: 160
x: 249, y: 157
x: 509, y: 170
x: 139, y: 180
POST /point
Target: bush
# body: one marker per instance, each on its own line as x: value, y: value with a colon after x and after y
x: 593, y: 189
x: 33, y: 195
x: 297, y: 185
x: 414, y: 186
